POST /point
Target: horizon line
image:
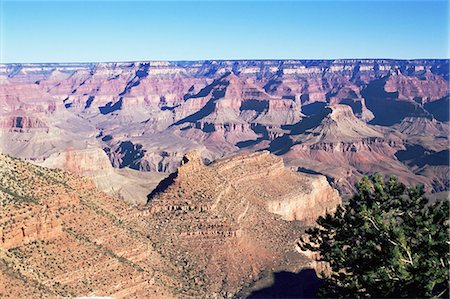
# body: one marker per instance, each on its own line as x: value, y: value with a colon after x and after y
x: 223, y: 60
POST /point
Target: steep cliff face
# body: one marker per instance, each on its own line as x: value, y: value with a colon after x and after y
x: 130, y: 185
x: 337, y: 144
x: 423, y: 126
x: 21, y: 123
x: 145, y: 115
x: 233, y: 219
x: 209, y: 231
x: 29, y: 204
x: 29, y: 226
x: 426, y: 87
x: 90, y: 161
x: 318, y: 199
x: 61, y: 237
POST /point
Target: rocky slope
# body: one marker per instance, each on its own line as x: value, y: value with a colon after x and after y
x: 206, y: 230
x: 146, y: 115
x: 92, y: 162
x: 227, y: 223
x: 61, y: 237
x: 336, y: 143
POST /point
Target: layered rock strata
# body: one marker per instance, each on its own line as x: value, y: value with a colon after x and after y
x: 206, y: 231
x: 145, y: 115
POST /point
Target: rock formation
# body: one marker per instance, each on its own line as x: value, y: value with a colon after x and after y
x: 146, y: 115
x: 208, y: 231
x: 335, y: 143
x: 61, y: 237
x: 228, y: 222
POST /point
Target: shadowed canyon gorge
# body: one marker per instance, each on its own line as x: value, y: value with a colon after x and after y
x: 128, y: 125
x: 197, y: 178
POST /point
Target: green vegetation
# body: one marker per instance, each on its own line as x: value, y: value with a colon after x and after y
x: 17, y: 197
x: 103, y: 249
x: 387, y: 241
x: 11, y: 264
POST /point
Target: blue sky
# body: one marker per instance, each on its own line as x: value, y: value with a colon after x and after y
x: 84, y: 31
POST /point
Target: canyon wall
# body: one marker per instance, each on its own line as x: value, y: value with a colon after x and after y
x: 210, y: 230
x: 146, y: 115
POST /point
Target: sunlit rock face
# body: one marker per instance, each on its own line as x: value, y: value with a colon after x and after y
x: 62, y: 237
x: 225, y: 163
x: 240, y: 214
x: 146, y: 115
x: 210, y: 230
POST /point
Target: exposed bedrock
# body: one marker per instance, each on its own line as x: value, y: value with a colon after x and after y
x: 146, y: 115
x: 240, y: 214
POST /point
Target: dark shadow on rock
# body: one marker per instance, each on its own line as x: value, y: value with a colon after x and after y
x: 255, y: 105
x: 355, y: 104
x: 110, y: 107
x: 205, y: 90
x: 291, y: 285
x: 439, y: 108
x: 272, y: 85
x: 130, y: 153
x: 107, y: 138
x: 141, y: 73
x: 280, y: 145
x: 313, y: 108
x: 308, y: 123
x: 417, y: 155
x: 89, y: 102
x: 308, y: 171
x: 386, y: 107
x: 164, y: 108
x: 434, y: 159
x: 283, y: 144
x: 411, y: 152
x: 258, y: 129
x: 330, y: 179
x: 217, y: 92
x: 162, y: 186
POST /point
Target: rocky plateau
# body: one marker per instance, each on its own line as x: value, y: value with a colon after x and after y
x: 196, y: 179
x: 206, y: 230
x: 128, y: 125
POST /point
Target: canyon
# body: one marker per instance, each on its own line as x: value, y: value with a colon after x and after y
x: 196, y: 179
x: 206, y: 230
x: 128, y: 125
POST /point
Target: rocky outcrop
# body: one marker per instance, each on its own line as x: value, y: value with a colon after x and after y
x: 426, y: 87
x: 21, y: 123
x: 339, y: 145
x: 129, y: 185
x: 29, y: 204
x: 190, y: 164
x: 319, y: 199
x: 89, y: 162
x: 239, y: 214
x: 339, y: 124
x: 145, y: 115
x: 422, y: 126
x: 61, y: 237
x: 24, y: 227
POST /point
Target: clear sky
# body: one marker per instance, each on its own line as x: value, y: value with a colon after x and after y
x: 88, y: 31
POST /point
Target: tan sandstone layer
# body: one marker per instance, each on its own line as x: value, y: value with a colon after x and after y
x: 211, y: 231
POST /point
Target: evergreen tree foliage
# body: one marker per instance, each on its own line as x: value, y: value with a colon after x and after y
x: 387, y: 241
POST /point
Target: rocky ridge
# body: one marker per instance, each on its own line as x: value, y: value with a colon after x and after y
x: 146, y: 115
x: 207, y: 230
x: 61, y: 237
x: 232, y: 220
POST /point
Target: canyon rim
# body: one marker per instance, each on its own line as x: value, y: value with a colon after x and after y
x: 200, y: 142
